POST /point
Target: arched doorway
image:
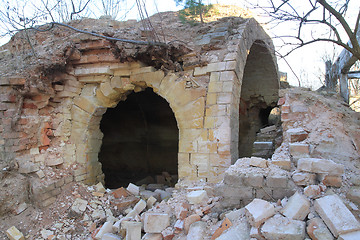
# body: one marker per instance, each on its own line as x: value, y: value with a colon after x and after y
x: 140, y: 139
x: 259, y: 94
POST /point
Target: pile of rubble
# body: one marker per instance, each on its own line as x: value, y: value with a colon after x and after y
x: 195, y: 213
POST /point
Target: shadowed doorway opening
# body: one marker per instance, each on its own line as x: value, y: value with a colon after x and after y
x: 140, y: 139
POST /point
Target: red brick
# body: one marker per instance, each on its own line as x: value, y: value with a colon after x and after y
x: 29, y: 105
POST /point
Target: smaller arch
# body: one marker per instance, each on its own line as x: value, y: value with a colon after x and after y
x: 259, y: 94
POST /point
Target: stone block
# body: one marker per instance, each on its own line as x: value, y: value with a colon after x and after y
x: 258, y: 211
x: 331, y: 181
x: 277, y: 180
x: 297, y: 134
x: 258, y: 162
x: 304, y: 179
x: 196, y: 197
x: 79, y: 206
x: 279, y: 227
x: 350, y: 236
x: 254, y: 179
x: 216, y: 67
x: 317, y: 165
x: 14, y: 234
x: 299, y: 149
x: 106, y: 228
x: 133, y: 189
x: 263, y: 145
x: 197, y: 231
x: 336, y: 215
x: 234, y: 179
x: 28, y: 167
x: 316, y: 229
x: 297, y: 208
x: 156, y: 222
x: 150, y: 202
x: 190, y: 220
x: 53, y: 161
x: 133, y: 230
x: 282, y: 162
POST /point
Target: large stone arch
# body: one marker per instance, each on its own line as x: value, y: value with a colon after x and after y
x: 102, y: 91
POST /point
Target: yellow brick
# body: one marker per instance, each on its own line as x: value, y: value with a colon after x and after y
x: 86, y: 103
x: 209, y: 122
x: 211, y: 98
x: 104, y: 101
x: 215, y: 86
x: 14, y: 234
x: 142, y: 70
x: 216, y: 110
x: 220, y: 160
x: 108, y: 91
x: 207, y: 147
x: 215, y: 67
x: 122, y: 72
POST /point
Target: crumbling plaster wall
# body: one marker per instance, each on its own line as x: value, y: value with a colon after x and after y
x: 62, y: 128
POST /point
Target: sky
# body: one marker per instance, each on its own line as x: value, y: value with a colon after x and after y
x: 307, y: 63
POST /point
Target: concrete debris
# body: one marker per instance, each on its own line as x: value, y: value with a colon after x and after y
x: 156, y: 222
x: 258, y: 162
x: 336, y: 215
x: 258, y: 211
x: 297, y: 208
x: 78, y: 207
x: 132, y: 188
x: 317, y: 165
x: 197, y: 231
x: 196, y: 197
x: 316, y: 229
x: 279, y: 227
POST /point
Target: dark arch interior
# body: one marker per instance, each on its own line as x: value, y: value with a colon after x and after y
x: 259, y: 94
x: 140, y: 139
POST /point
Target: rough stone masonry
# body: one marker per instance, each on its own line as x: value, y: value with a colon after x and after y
x: 217, y: 79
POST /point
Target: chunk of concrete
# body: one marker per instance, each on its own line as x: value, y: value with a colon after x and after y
x: 133, y: 189
x: 336, y: 215
x: 197, y: 231
x: 316, y: 229
x: 14, y: 234
x: 258, y: 162
x: 150, y: 202
x: 279, y: 227
x: 350, y: 236
x: 78, y: 207
x: 106, y: 228
x: 317, y: 165
x: 312, y: 191
x: 258, y: 211
x: 156, y: 222
x: 196, y: 197
x: 297, y: 208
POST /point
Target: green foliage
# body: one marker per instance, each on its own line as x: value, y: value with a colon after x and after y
x: 193, y: 9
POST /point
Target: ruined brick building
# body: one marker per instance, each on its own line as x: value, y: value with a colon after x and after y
x: 100, y: 108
